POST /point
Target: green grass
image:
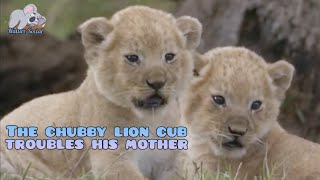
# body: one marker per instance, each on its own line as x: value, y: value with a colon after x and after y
x: 64, y: 16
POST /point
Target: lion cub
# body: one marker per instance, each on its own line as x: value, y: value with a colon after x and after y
x: 139, y: 62
x: 231, y: 112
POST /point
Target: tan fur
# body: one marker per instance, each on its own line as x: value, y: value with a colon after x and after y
x: 105, y: 96
x: 242, y: 77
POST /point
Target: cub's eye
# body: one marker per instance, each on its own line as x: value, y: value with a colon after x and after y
x: 133, y: 58
x: 169, y: 57
x: 256, y: 105
x: 219, y: 100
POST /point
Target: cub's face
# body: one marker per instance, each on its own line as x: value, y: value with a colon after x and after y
x: 141, y: 58
x: 235, y: 100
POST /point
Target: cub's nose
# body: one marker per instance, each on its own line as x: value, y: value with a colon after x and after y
x: 237, y: 131
x: 156, y: 85
x: 32, y: 19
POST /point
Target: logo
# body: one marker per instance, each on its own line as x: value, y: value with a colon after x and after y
x: 26, y: 21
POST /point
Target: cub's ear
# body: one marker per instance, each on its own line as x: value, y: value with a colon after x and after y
x: 94, y: 31
x: 281, y: 73
x: 199, y: 62
x: 191, y: 29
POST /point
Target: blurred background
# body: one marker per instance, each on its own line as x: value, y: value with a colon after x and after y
x: 36, y: 65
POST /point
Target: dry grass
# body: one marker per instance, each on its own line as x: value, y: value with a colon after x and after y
x: 268, y: 174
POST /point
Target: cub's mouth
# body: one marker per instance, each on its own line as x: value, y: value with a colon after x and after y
x: 233, y: 144
x: 153, y: 101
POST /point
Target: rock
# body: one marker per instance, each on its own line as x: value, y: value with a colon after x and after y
x: 36, y: 65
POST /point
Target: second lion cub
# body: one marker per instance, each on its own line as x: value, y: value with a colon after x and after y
x: 231, y: 112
